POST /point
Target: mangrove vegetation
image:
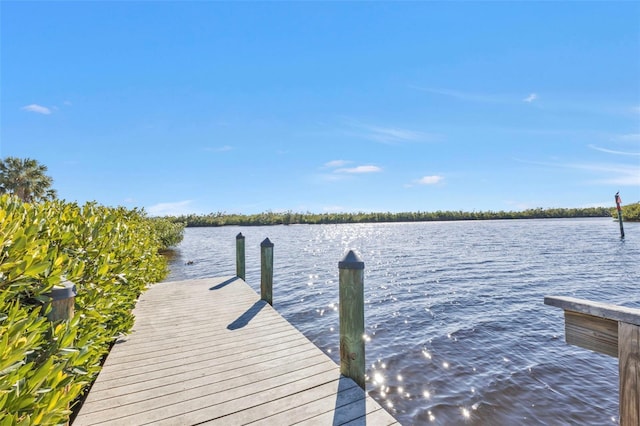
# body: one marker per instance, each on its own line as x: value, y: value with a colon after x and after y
x: 291, y: 218
x: 110, y: 254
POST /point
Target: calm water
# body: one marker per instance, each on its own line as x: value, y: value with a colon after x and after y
x: 459, y: 333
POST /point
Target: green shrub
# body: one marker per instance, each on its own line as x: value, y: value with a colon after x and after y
x: 170, y: 233
x: 630, y: 212
x: 111, y: 254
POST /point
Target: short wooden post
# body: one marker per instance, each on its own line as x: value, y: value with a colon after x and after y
x: 266, y: 271
x: 63, y: 299
x: 629, y: 367
x: 240, y: 266
x: 352, y: 360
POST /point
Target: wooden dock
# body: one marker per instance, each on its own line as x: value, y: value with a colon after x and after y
x: 210, y: 352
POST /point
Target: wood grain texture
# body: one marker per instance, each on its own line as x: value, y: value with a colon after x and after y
x: 62, y: 310
x: 352, y: 355
x: 266, y: 271
x: 597, y: 309
x: 591, y: 332
x: 629, y: 365
x: 210, y: 351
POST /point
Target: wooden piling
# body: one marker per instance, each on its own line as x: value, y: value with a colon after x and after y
x: 240, y: 260
x: 629, y: 367
x: 63, y: 298
x: 266, y: 271
x: 352, y: 356
x: 619, y: 208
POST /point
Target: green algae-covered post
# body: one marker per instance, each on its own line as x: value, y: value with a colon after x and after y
x: 266, y: 271
x: 352, y: 317
x: 63, y: 299
x: 240, y: 268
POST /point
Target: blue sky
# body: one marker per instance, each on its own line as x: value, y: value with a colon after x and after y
x: 244, y: 107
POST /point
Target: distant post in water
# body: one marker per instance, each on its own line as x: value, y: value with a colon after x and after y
x: 352, y: 360
x: 266, y: 271
x: 240, y: 267
x: 618, y: 202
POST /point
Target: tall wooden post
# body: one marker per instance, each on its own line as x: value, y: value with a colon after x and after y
x: 266, y: 271
x: 629, y: 367
x: 352, y: 360
x: 618, y: 202
x: 63, y: 299
x: 240, y: 267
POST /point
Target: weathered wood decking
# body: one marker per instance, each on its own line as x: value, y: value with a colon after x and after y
x: 209, y: 351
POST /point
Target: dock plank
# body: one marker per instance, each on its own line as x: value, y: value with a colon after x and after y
x: 209, y: 351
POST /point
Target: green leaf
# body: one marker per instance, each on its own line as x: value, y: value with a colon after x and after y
x: 37, y: 268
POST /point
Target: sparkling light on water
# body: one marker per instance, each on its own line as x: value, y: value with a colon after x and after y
x: 378, y: 378
x: 465, y: 413
x: 453, y: 308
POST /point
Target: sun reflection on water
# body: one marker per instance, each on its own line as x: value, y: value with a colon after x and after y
x: 465, y: 413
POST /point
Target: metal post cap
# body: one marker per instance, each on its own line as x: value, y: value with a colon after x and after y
x: 65, y: 290
x: 266, y: 243
x: 351, y: 260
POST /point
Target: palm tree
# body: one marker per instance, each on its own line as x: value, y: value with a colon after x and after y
x: 26, y: 179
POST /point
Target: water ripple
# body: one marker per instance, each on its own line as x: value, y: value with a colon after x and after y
x: 457, y: 332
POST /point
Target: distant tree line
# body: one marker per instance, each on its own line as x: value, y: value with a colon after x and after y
x: 291, y: 218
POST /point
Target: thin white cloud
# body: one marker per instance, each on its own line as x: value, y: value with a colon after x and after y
x: 360, y: 169
x: 225, y: 148
x: 532, y: 97
x: 609, y: 174
x: 467, y: 96
x: 430, y: 180
x: 336, y: 163
x: 170, y: 209
x: 387, y: 135
x: 617, y: 174
x: 392, y: 134
x: 611, y: 151
x: 37, y: 108
x: 629, y: 137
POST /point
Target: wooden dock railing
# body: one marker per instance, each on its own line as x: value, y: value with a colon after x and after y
x: 612, y: 330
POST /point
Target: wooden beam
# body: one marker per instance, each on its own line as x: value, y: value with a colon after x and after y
x: 591, y: 332
x: 597, y: 309
x: 629, y: 365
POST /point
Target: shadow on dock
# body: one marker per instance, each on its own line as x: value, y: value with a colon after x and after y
x: 250, y: 313
x: 350, y: 404
x: 224, y: 283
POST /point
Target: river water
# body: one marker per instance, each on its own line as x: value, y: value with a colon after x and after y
x: 457, y: 329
